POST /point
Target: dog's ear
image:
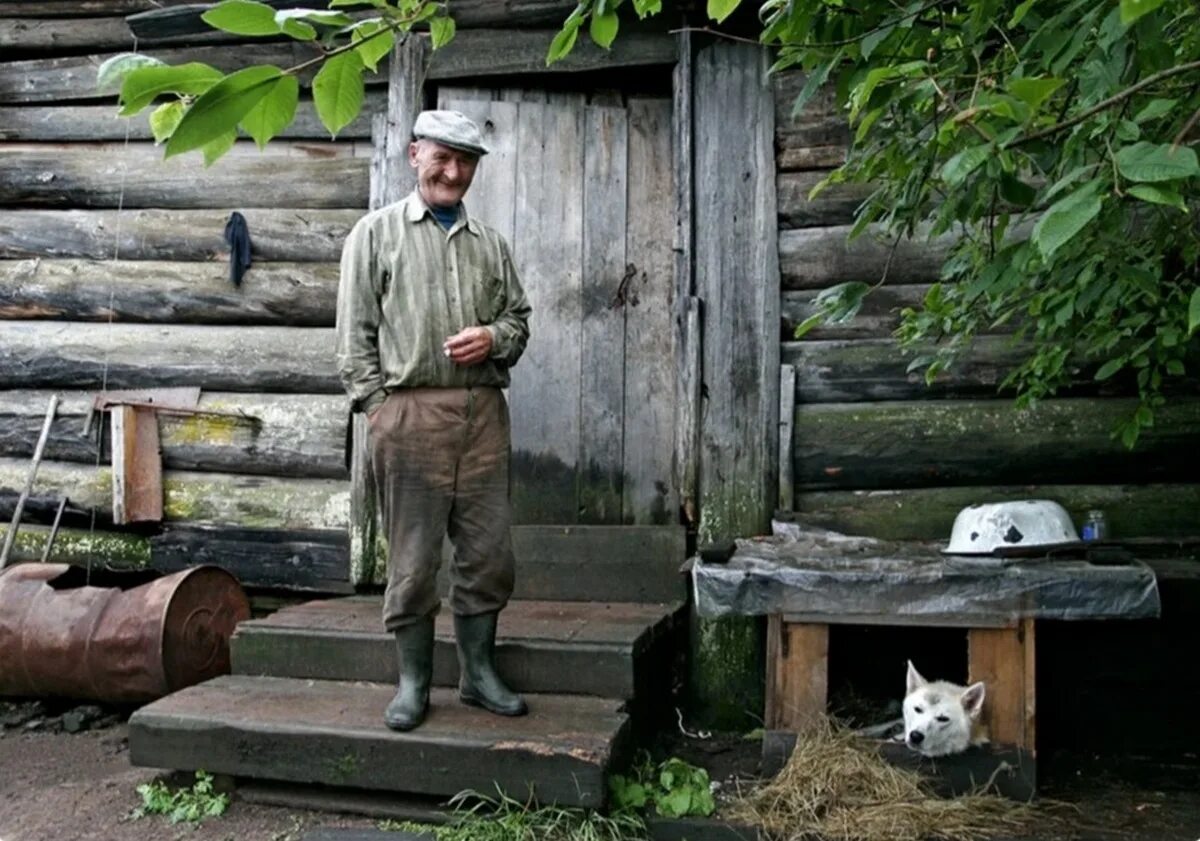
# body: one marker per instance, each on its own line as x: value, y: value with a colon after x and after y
x: 915, y: 681
x: 972, y: 699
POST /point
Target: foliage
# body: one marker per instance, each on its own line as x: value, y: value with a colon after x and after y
x: 187, y: 804
x: 501, y: 818
x: 1050, y: 137
x: 205, y: 108
x: 674, y: 787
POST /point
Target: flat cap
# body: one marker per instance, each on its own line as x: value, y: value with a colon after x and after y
x: 450, y: 128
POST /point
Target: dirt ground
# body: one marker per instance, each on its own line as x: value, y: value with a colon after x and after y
x: 79, y: 786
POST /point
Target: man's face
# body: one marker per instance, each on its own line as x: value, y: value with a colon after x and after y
x: 443, y: 173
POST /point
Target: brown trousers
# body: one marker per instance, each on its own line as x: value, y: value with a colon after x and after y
x: 441, y: 459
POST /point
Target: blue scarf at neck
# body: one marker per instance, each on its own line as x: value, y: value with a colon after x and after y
x: 446, y: 216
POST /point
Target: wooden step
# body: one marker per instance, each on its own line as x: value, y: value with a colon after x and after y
x: 332, y: 733
x: 585, y: 648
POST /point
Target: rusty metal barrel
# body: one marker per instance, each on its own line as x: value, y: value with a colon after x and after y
x: 61, y: 637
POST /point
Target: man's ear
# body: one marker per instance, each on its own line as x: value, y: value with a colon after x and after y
x: 972, y: 699
x: 915, y: 681
x: 412, y: 153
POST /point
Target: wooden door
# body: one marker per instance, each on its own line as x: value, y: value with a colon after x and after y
x: 583, y: 192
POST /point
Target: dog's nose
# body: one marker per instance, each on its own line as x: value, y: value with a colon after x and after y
x: 916, y: 737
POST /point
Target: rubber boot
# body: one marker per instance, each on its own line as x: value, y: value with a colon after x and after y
x: 414, y: 643
x: 478, y: 684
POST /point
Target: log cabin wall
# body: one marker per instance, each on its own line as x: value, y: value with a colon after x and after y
x: 114, y: 274
x: 875, y: 450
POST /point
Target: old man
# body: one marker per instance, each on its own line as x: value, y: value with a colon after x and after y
x: 431, y: 316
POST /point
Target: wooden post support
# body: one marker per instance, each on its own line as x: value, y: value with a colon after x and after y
x: 797, y: 673
x: 137, y: 465
x: 11, y: 537
x: 1003, y: 658
x: 787, y: 409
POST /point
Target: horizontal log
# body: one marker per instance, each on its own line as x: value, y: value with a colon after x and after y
x: 58, y: 354
x: 80, y: 547
x: 297, y: 294
x: 284, y: 234
x: 788, y: 84
x: 27, y: 36
x: 949, y: 442
x: 877, y: 319
x: 835, y: 205
x: 317, y: 175
x: 299, y: 435
x: 474, y: 53
x: 188, y: 497
x: 803, y: 158
x: 55, y: 123
x: 928, y: 513
x: 467, y: 14
x: 818, y: 257
x: 841, y: 371
x: 288, y: 559
x: 82, y: 8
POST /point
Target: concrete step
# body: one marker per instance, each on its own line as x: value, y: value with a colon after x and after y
x: 610, y: 650
x: 332, y: 733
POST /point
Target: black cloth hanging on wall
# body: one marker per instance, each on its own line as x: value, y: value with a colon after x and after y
x: 237, y: 234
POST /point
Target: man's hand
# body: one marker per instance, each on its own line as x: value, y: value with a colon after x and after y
x: 469, y: 347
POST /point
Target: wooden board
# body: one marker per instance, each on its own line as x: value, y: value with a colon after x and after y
x: 299, y: 435
x: 60, y: 354
x: 56, y: 123
x: 737, y: 277
x: 835, y: 205
x: 208, y: 498
x: 331, y: 733
x: 787, y: 412
x: 137, y: 466
x: 606, y: 303
x: 301, y: 294
x: 819, y: 257
x: 650, y: 338
x: 1004, y: 659
x: 1167, y: 510
x: 877, y: 319
x: 84, y: 8
x: 797, y: 674
x: 69, y: 175
x: 546, y: 389
x: 281, y: 234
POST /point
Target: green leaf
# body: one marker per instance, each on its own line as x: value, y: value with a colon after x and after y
x: 221, y: 108
x: 1019, y: 13
x: 873, y: 39
x: 242, y: 17
x: 1033, y: 92
x: 1066, y: 218
x: 1131, y: 10
x: 562, y: 44
x: 813, y: 83
x: 441, y: 31
x: 604, y: 29
x: 274, y: 112
x: 165, y: 119
x: 375, y: 40
x: 1155, y: 109
x: 956, y: 170
x: 1194, y: 312
x: 324, y: 17
x: 1109, y: 368
x: 299, y: 29
x: 338, y: 91
x: 214, y: 149
x: 1015, y: 191
x: 1158, y: 195
x: 114, y: 70
x: 1146, y: 161
x: 675, y: 803
x: 143, y: 85
x: 718, y: 10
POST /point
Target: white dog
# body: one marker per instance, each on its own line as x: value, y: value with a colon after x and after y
x: 942, y: 718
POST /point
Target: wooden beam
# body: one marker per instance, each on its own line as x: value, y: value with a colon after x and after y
x: 82, y: 8
x: 51, y: 123
x: 137, y: 466
x: 787, y: 413
x: 80, y: 546
x: 906, y: 444
x: 797, y: 674
x: 300, y: 435
x: 1004, y: 659
x: 877, y: 319
x: 294, y: 294
x: 928, y: 513
x: 283, y: 234
x: 47, y: 35
x: 57, y: 354
x: 198, y: 498
x: 835, y: 205
x: 819, y: 257
x: 71, y: 175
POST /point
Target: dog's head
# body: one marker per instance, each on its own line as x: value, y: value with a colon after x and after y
x: 939, y: 716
